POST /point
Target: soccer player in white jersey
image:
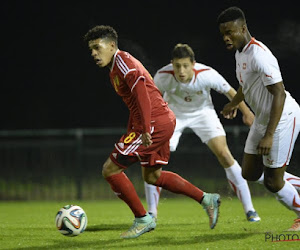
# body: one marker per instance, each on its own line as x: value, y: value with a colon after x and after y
x: 186, y: 85
x: 272, y: 136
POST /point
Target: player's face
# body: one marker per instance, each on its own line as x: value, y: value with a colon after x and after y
x: 233, y: 33
x: 102, y: 51
x: 183, y: 69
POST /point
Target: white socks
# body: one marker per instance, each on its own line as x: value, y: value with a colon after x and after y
x: 239, y: 186
x: 294, y: 180
x: 152, y: 197
x: 289, y: 197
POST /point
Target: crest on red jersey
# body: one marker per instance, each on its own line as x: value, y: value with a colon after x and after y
x: 116, y: 83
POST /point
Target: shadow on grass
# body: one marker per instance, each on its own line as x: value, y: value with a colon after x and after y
x: 143, y: 241
x: 107, y: 227
x: 125, y: 226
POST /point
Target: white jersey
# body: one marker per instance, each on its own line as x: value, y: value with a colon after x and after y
x: 256, y: 68
x: 192, y: 97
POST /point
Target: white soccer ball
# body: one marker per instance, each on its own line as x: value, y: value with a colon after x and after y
x: 71, y: 220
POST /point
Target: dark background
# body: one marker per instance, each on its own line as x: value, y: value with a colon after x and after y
x: 49, y: 80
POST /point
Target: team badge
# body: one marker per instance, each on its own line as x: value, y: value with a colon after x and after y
x: 116, y: 83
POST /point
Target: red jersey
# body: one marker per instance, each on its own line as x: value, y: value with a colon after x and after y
x: 135, y: 85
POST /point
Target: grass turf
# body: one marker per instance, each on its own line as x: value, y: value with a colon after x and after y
x: 182, y: 224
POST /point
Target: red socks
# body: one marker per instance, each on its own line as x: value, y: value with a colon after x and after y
x: 176, y: 184
x: 125, y: 190
x: 170, y: 181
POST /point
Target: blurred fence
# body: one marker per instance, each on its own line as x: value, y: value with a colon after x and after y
x: 66, y: 164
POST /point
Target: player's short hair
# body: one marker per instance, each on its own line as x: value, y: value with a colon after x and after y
x: 231, y: 14
x: 183, y: 51
x: 101, y: 31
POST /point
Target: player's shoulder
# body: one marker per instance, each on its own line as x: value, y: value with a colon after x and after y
x: 124, y: 57
x: 257, y: 48
x: 166, y: 70
x: 201, y: 66
x: 125, y: 62
x: 259, y: 52
x: 202, y: 70
x: 164, y: 75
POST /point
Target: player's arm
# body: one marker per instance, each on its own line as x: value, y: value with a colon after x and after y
x: 140, y: 92
x: 230, y: 109
x: 277, y: 90
x: 248, y: 116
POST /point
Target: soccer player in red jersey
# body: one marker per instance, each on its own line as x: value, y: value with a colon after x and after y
x: 150, y: 127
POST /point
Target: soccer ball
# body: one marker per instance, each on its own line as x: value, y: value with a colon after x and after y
x: 71, y: 220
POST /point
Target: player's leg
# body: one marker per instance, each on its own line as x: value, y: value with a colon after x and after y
x: 152, y: 193
x: 158, y: 154
x: 208, y: 128
x: 252, y: 167
x: 273, y: 181
x: 293, y: 179
x: 274, y: 164
x: 218, y: 146
x: 113, y: 173
x: 284, y: 191
x: 176, y: 184
x: 123, y: 187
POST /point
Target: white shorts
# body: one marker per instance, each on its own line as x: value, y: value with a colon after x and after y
x: 206, y: 126
x: 283, y: 141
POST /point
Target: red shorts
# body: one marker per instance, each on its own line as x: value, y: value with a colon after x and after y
x: 129, y: 149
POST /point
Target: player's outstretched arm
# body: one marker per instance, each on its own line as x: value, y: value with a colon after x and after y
x: 230, y: 109
x: 248, y: 116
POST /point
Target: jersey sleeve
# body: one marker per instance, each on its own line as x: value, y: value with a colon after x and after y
x: 215, y: 81
x: 267, y: 66
x: 137, y: 83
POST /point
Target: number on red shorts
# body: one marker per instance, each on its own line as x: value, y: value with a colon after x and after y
x: 130, y: 137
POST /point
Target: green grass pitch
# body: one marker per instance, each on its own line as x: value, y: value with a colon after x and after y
x: 182, y: 224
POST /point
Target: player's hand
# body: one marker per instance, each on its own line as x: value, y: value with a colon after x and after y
x: 146, y: 139
x: 265, y: 145
x: 229, y: 111
x: 248, y: 118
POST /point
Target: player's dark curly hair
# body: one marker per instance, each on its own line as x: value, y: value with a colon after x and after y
x: 183, y: 51
x: 101, y: 31
x: 231, y: 14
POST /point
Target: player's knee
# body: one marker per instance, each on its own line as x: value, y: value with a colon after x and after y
x: 105, y: 169
x: 272, y: 184
x: 150, y: 179
x: 247, y: 175
x: 225, y: 158
x: 109, y: 168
